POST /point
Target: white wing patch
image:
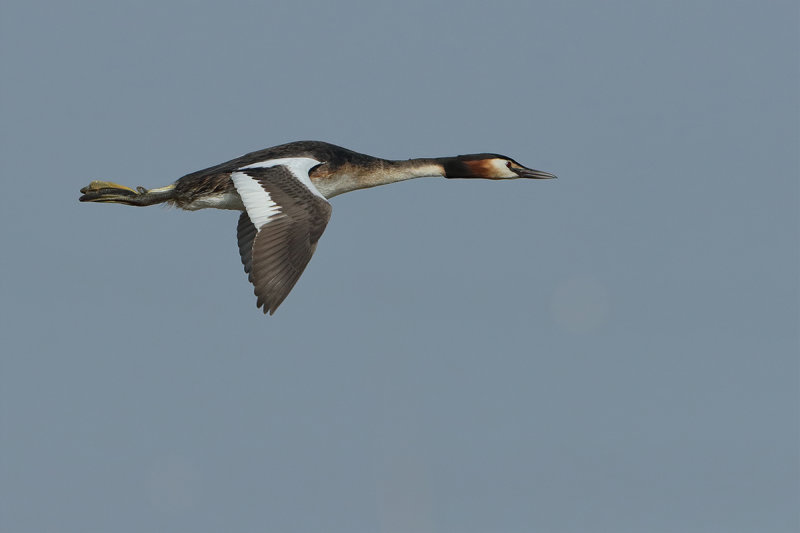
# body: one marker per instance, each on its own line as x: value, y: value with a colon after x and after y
x: 299, y: 166
x: 258, y: 203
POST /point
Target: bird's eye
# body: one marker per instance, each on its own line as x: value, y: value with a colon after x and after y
x: 508, y: 164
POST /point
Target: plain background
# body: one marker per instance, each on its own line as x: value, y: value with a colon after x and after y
x: 612, y: 351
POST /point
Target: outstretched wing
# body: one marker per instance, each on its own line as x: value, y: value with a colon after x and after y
x: 278, y: 233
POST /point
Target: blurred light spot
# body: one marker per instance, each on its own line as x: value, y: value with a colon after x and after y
x: 580, y: 305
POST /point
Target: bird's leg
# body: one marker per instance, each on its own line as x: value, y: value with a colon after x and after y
x: 108, y: 192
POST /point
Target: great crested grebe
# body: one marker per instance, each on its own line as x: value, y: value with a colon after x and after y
x: 283, y: 194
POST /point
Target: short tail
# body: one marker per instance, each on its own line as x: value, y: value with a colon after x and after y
x: 107, y: 192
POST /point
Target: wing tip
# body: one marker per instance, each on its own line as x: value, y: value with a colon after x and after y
x: 266, y: 307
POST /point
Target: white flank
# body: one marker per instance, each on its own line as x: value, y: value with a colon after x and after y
x: 257, y: 201
x: 225, y: 200
x: 299, y: 166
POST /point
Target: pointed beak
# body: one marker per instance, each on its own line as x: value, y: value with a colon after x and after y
x: 530, y: 173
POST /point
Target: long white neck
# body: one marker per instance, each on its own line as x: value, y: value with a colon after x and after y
x: 350, y: 178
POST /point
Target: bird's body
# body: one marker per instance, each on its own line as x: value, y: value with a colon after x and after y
x: 283, y: 192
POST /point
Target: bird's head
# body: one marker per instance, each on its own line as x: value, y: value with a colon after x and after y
x: 489, y: 166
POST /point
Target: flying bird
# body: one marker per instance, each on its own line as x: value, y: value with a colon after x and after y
x: 283, y: 194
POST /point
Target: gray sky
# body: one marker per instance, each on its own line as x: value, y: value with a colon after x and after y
x: 612, y: 351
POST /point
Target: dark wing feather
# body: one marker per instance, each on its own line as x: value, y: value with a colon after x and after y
x: 275, y: 255
x: 245, y: 233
